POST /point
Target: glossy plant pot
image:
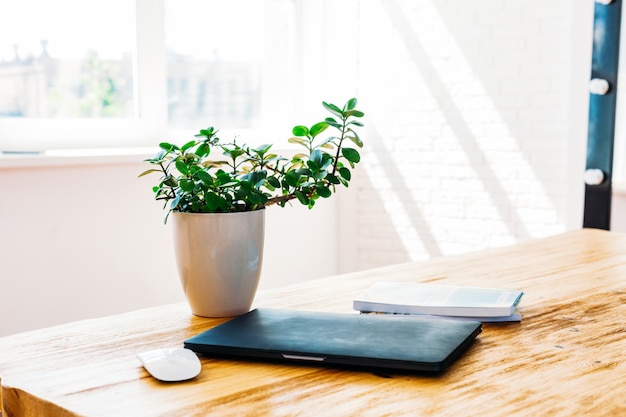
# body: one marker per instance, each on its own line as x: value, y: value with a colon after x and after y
x: 219, y: 258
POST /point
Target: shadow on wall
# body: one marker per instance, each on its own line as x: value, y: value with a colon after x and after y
x: 531, y: 58
x: 405, y: 216
x: 474, y: 149
x: 379, y: 237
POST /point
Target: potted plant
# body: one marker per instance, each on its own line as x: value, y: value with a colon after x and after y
x: 215, y: 193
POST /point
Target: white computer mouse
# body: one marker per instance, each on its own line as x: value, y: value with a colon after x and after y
x: 171, y: 364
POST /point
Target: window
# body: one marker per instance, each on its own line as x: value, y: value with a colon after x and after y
x: 70, y: 75
x: 80, y: 68
x: 229, y: 64
x: 120, y: 73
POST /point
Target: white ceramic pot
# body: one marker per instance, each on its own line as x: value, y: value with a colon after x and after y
x: 219, y: 258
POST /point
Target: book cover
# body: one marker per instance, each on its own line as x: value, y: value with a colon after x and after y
x: 440, y: 300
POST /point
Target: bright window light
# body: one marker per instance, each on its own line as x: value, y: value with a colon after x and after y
x: 126, y: 73
x: 67, y: 59
x: 229, y: 64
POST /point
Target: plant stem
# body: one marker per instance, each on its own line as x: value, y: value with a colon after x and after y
x: 280, y: 199
x: 343, y: 133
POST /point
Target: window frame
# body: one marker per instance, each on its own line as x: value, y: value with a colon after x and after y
x: 149, y: 122
x: 150, y: 125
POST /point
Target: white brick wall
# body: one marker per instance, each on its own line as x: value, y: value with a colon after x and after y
x: 467, y: 130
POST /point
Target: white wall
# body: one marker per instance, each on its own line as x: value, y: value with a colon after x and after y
x: 82, y: 241
x: 477, y: 124
x: 618, y: 208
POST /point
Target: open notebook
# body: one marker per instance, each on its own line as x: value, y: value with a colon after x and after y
x: 362, y: 340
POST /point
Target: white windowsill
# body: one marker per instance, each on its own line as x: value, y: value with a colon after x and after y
x: 75, y: 157
x: 101, y: 156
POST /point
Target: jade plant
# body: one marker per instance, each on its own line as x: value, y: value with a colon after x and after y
x: 206, y: 175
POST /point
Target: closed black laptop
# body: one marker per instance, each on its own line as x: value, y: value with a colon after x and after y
x: 363, y: 340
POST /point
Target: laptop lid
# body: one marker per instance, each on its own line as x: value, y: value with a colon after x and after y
x: 363, y: 340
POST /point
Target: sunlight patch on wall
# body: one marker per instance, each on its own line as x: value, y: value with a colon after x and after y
x: 459, y: 172
x: 399, y: 217
x: 510, y: 170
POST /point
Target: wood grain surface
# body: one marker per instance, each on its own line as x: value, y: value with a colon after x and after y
x: 566, y: 357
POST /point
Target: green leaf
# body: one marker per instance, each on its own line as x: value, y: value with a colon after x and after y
x: 323, y: 191
x: 333, y: 109
x: 316, y: 156
x: 233, y: 153
x: 213, y: 201
x: 345, y: 173
x: 351, y: 104
x: 170, y: 181
x: 332, y: 179
x: 273, y: 181
x: 256, y: 178
x: 228, y: 184
x: 203, y: 150
x: 298, y: 158
x: 149, y: 172
x: 332, y: 122
x: 291, y: 178
x: 175, y: 202
x: 254, y: 198
x: 157, y: 158
x: 189, y: 158
x: 352, y: 155
x: 168, y: 146
x: 188, y: 145
x: 305, y: 172
x: 262, y: 149
x: 320, y: 175
x: 206, y: 133
x: 354, y: 113
x: 214, y: 164
x: 356, y: 140
x: 182, y: 167
x: 302, y: 197
x: 187, y: 185
x: 205, y: 177
x: 272, y: 157
x: 269, y: 186
x: 318, y: 128
x: 300, y: 130
x: 223, y: 178
x: 327, y: 160
x: 313, y: 165
x: 298, y: 141
x: 328, y: 142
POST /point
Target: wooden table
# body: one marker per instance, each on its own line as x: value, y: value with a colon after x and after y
x: 567, y: 357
